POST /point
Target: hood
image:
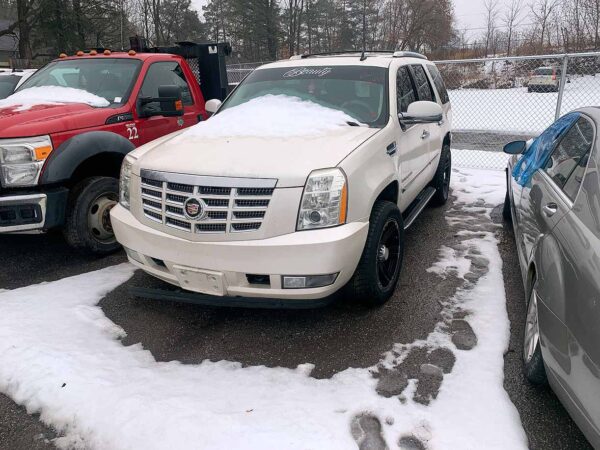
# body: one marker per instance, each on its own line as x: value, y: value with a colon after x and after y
x: 48, y: 119
x: 287, y: 159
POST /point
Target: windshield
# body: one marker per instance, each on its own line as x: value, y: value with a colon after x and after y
x: 543, y: 72
x: 7, y: 85
x: 359, y: 91
x: 109, y: 78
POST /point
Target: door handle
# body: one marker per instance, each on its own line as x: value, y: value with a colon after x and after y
x: 550, y: 209
x: 425, y: 134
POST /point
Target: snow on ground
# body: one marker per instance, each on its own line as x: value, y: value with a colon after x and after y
x: 271, y: 116
x: 61, y: 356
x: 51, y: 95
x: 516, y: 110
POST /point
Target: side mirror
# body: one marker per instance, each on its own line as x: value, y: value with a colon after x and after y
x: 168, y: 103
x: 212, y: 106
x: 515, y: 148
x: 422, y: 112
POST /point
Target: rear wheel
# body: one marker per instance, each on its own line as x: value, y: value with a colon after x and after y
x: 441, y: 179
x: 532, y: 351
x: 88, y: 226
x: 376, y: 276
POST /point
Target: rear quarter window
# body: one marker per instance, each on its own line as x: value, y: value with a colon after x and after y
x: 438, y: 81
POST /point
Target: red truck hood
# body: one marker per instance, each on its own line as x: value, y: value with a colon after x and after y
x: 47, y: 119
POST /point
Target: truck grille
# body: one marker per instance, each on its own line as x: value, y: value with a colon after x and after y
x: 238, y: 207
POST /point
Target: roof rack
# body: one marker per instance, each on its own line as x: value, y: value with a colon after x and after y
x: 409, y: 55
x: 393, y: 53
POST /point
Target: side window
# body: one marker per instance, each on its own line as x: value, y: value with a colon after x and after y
x: 405, y: 91
x: 439, y: 83
x: 569, y: 154
x: 166, y: 74
x: 424, y: 90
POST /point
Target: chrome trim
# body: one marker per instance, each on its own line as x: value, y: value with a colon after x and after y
x: 205, y: 180
x: 36, y: 199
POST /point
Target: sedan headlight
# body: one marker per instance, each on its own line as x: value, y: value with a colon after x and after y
x: 125, y: 181
x: 22, y: 159
x: 324, y: 201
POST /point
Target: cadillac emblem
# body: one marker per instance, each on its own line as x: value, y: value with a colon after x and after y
x: 193, y: 208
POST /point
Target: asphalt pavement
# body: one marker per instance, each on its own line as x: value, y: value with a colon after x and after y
x: 333, y: 338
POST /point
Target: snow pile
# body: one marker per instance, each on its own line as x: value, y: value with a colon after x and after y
x: 51, y: 95
x: 271, y: 116
x: 60, y: 356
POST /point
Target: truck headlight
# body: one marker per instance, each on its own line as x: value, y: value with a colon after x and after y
x: 22, y: 159
x: 324, y: 200
x: 125, y: 181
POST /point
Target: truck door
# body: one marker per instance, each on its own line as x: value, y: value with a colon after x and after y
x: 413, y: 141
x: 164, y: 73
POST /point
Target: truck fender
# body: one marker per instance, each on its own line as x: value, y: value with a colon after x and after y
x: 64, y: 160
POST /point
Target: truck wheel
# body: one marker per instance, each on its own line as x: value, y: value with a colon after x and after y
x: 377, y: 273
x: 441, y: 179
x: 87, y: 226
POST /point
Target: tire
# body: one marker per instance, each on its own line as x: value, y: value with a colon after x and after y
x: 376, y: 276
x: 533, y: 362
x: 87, y: 226
x: 441, y: 179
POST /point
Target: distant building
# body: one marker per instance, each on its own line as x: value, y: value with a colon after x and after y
x: 9, y: 45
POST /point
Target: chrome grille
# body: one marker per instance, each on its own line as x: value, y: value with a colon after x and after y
x: 239, y: 206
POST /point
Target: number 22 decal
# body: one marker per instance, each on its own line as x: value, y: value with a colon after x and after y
x: 132, y: 130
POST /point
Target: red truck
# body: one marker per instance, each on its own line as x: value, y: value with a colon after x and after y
x: 60, y: 153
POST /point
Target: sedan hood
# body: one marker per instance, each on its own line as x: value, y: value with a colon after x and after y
x: 48, y: 119
x: 289, y: 160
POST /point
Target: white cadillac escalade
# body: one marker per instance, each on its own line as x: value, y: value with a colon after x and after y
x: 301, y: 184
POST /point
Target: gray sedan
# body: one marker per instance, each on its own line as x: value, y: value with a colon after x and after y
x: 553, y: 200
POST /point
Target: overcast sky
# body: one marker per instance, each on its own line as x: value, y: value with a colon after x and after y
x: 469, y: 14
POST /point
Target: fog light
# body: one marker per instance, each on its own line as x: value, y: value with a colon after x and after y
x: 308, y: 281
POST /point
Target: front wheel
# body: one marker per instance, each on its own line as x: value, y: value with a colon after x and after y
x: 376, y: 276
x: 88, y: 226
x: 533, y: 361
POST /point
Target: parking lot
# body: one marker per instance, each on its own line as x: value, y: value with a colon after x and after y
x: 334, y: 338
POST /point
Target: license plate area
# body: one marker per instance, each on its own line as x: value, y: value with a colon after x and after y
x: 198, y: 280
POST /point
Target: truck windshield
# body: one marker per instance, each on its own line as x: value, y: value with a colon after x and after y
x: 109, y: 78
x: 359, y: 91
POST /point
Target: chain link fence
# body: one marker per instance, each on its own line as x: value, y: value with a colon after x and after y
x: 499, y: 100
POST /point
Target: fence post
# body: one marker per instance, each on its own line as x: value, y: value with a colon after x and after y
x: 561, y: 87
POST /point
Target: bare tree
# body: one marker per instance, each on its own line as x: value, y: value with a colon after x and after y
x: 541, y: 11
x: 511, y: 20
x: 491, y: 15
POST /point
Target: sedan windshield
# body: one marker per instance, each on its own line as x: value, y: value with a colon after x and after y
x: 109, y: 78
x: 7, y: 84
x: 359, y: 91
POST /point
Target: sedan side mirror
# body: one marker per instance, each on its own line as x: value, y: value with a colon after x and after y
x: 168, y: 103
x: 212, y: 106
x: 422, y: 112
x: 515, y: 148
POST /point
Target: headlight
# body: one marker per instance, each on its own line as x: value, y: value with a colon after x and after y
x: 324, y: 201
x: 125, y: 181
x: 22, y: 159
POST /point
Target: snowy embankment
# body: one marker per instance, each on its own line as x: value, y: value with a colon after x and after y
x: 51, y: 95
x: 516, y: 110
x: 60, y: 356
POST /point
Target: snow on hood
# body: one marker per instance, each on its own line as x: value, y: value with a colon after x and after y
x: 51, y: 95
x: 271, y: 116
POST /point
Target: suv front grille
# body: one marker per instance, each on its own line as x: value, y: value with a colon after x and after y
x: 222, y: 210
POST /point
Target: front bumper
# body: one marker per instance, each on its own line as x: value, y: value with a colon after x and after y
x: 315, y: 252
x: 27, y: 211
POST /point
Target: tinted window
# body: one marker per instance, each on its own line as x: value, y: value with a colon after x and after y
x: 359, y: 91
x: 109, y: 78
x: 570, y: 152
x: 405, y: 91
x: 166, y: 74
x: 424, y: 90
x: 439, y: 83
x: 543, y: 72
x: 7, y: 85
